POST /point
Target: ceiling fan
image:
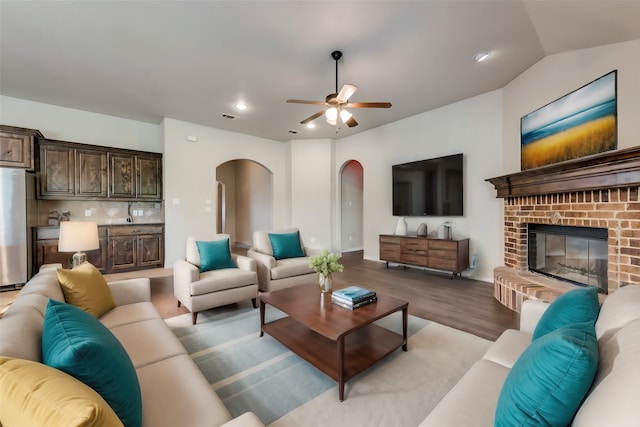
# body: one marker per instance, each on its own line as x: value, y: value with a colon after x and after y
x: 338, y: 102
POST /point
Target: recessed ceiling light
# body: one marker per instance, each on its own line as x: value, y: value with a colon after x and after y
x: 481, y: 55
x: 241, y: 106
x: 311, y: 125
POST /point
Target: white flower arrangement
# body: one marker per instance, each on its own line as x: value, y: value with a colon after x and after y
x: 325, y: 263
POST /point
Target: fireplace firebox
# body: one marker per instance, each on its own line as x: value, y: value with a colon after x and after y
x: 575, y: 254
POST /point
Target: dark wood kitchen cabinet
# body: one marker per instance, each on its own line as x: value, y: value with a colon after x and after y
x: 122, y: 248
x: 46, y: 249
x: 134, y: 247
x: 16, y: 147
x: 72, y: 171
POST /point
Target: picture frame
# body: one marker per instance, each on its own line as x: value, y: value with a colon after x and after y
x: 581, y: 123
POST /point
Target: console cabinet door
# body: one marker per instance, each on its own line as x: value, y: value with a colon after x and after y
x: 91, y: 168
x: 149, y: 176
x: 57, y: 171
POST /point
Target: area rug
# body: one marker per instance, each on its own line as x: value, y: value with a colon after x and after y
x: 258, y: 374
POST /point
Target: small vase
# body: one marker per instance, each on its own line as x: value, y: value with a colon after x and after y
x: 325, y: 283
x: 401, y: 227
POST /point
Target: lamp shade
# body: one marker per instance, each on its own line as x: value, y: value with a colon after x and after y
x: 78, y: 236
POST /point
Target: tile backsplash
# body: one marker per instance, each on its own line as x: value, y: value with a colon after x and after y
x: 103, y: 212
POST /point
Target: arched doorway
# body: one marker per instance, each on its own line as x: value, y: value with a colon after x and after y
x: 351, y: 207
x: 245, y: 200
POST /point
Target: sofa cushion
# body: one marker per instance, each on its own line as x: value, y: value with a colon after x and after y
x: 619, y: 309
x: 21, y: 327
x: 215, y: 255
x: 85, y: 288
x: 613, y: 400
x: 33, y: 394
x: 548, y: 382
x: 576, y: 306
x: 175, y: 393
x: 286, y: 245
x: 290, y: 267
x: 129, y: 313
x: 77, y: 343
x: 220, y: 280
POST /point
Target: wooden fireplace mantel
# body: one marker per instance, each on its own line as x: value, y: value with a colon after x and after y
x: 612, y: 169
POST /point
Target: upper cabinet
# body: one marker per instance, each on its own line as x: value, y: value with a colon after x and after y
x: 71, y: 171
x: 16, y: 146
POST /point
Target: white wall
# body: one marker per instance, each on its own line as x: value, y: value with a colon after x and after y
x: 67, y: 124
x: 472, y: 127
x: 556, y: 75
x: 254, y: 200
x: 312, y: 191
x: 190, y: 178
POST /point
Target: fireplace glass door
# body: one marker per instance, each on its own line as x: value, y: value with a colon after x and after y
x: 575, y: 254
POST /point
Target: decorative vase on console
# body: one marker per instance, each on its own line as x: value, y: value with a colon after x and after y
x: 401, y: 227
x: 325, y: 264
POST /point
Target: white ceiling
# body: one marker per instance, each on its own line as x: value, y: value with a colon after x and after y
x: 193, y: 60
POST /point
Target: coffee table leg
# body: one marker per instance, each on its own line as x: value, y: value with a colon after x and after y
x: 405, y: 322
x: 341, y: 368
x: 261, y: 317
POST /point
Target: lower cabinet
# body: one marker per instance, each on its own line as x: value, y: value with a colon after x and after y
x: 135, y: 247
x: 438, y: 254
x: 122, y: 248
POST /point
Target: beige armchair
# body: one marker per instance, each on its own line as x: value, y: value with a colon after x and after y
x: 200, y: 291
x: 274, y: 273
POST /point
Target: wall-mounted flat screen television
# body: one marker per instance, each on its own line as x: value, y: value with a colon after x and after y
x: 430, y: 187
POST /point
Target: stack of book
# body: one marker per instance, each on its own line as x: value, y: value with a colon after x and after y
x: 353, y: 297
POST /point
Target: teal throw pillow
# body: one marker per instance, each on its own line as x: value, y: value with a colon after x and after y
x: 286, y: 245
x: 75, y: 342
x: 550, y: 379
x: 215, y: 255
x: 576, y: 306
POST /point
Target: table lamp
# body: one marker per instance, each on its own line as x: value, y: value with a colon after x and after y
x: 78, y: 236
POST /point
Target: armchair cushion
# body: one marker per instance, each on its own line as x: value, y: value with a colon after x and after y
x: 286, y: 245
x: 220, y: 280
x: 215, y: 255
x: 86, y: 288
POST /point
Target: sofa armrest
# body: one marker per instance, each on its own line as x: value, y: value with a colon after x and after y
x: 531, y: 313
x: 245, y: 263
x: 248, y: 419
x: 130, y: 291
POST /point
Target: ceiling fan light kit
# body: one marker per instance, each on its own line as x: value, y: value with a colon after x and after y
x: 337, y: 102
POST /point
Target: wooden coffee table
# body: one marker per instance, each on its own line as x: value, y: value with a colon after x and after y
x: 339, y: 342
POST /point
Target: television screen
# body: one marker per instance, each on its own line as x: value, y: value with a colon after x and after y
x: 431, y: 187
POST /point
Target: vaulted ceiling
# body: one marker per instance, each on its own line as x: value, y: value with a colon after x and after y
x: 194, y: 60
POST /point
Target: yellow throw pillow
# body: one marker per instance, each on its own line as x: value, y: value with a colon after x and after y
x: 33, y: 394
x: 85, y: 288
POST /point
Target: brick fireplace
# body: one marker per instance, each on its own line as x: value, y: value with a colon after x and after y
x: 600, y: 191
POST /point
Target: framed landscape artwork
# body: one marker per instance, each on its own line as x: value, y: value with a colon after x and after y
x: 581, y: 123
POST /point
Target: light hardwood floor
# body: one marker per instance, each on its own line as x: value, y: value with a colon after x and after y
x: 461, y: 303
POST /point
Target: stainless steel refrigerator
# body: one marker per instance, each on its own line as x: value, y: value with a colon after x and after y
x: 17, y: 217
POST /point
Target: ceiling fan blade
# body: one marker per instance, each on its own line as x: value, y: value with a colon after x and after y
x: 346, y: 92
x: 368, y: 105
x: 302, y: 101
x: 312, y: 118
x: 351, y: 122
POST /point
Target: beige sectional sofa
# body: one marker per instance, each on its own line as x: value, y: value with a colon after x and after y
x: 174, y: 392
x: 613, y: 397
